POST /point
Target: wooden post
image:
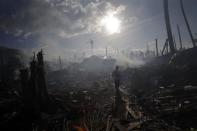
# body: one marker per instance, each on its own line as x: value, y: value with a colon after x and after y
x: 187, y: 24
x: 60, y: 62
x: 165, y: 47
x: 168, y: 26
x: 174, y: 43
x: 180, y: 39
x: 157, y: 51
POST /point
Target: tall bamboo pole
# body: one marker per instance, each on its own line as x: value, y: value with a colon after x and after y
x: 180, y: 39
x: 168, y: 26
x: 187, y: 24
x: 156, y: 46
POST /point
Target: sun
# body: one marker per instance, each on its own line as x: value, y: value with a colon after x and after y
x: 111, y: 23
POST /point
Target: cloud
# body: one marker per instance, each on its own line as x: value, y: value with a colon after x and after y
x: 63, y: 18
x: 51, y: 23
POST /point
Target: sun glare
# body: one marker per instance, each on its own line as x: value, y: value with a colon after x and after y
x: 111, y: 24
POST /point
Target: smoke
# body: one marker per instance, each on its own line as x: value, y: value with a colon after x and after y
x: 53, y: 24
x: 126, y: 62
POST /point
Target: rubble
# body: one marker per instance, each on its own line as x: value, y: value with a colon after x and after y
x: 161, y: 95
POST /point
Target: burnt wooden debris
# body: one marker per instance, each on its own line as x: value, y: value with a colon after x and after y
x: 33, y: 83
x: 159, y: 95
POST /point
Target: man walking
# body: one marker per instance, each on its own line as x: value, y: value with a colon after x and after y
x: 116, y: 77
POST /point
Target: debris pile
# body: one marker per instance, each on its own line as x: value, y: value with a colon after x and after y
x: 161, y: 95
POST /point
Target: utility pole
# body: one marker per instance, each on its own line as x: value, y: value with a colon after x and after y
x: 187, y: 24
x: 168, y: 26
x: 180, y: 39
x: 60, y: 62
x: 156, y: 46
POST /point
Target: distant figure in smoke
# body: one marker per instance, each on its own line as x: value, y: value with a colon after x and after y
x: 119, y: 110
x: 116, y: 77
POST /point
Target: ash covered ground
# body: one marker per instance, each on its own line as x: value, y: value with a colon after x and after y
x: 158, y: 95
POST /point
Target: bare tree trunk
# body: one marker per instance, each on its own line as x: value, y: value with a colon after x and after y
x: 187, y: 23
x: 168, y: 26
x: 180, y: 40
x: 156, y: 44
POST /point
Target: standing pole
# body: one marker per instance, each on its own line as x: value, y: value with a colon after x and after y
x: 187, y: 24
x: 168, y: 26
x: 180, y: 39
x: 167, y: 47
x: 156, y: 44
x: 174, y: 42
x: 60, y: 62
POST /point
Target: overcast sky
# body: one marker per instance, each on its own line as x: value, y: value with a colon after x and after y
x: 62, y: 27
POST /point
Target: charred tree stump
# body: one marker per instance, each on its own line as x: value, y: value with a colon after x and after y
x: 34, y: 90
x: 26, y: 95
x: 41, y: 80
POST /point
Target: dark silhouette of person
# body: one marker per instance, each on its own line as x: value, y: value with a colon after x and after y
x: 116, y: 77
